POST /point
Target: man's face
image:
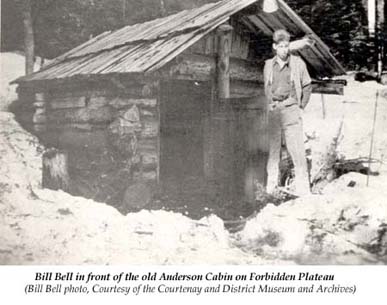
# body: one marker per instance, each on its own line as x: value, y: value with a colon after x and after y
x: 282, y: 49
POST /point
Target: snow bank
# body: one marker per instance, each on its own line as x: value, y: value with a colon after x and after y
x: 356, y: 110
x: 346, y: 225
x: 39, y: 226
x: 20, y: 154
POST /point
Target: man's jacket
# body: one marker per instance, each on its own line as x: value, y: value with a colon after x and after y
x: 299, y: 76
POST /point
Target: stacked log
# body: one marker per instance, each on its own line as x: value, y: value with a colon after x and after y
x: 39, y: 118
x: 55, y: 170
x: 92, y: 126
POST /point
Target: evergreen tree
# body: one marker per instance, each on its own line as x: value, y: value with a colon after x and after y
x: 342, y: 25
x: 61, y: 25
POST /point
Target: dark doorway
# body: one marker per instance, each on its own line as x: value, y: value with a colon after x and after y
x: 183, y: 107
x: 232, y: 138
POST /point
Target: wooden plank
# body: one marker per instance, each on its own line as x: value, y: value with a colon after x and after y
x: 97, y: 102
x: 240, y: 41
x: 214, y: 125
x: 25, y: 90
x: 40, y: 104
x: 39, y: 97
x: 327, y: 88
x: 146, y: 143
x: 81, y: 115
x: 120, y: 102
x: 250, y: 26
x: 147, y: 146
x: 68, y: 102
x: 200, y: 67
x: 73, y: 138
x: 40, y: 111
x: 40, y: 128
x: 78, y: 126
x: 252, y: 9
x: 146, y: 167
x: 150, y: 175
x: 158, y: 139
x: 209, y: 45
x: 147, y: 113
x: 224, y: 33
x: 208, y: 134
x: 66, y: 92
x: 198, y: 47
x: 271, y: 21
x: 133, y: 86
x: 260, y: 25
x: 150, y: 128
x: 39, y: 118
x: 245, y: 89
x: 149, y: 160
x: 250, y: 142
x: 287, y: 24
x: 248, y: 103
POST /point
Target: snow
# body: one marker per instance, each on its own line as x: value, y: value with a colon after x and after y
x: 355, y: 109
x: 12, y: 66
x: 340, y: 227
x: 40, y: 226
x: 343, y: 225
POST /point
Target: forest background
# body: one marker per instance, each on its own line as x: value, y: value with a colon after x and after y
x: 58, y: 26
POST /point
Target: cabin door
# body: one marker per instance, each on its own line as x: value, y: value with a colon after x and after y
x: 182, y: 111
x: 241, y: 145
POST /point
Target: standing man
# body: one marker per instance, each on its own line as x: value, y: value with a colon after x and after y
x: 287, y: 88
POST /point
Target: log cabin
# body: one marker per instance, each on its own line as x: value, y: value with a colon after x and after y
x: 176, y: 99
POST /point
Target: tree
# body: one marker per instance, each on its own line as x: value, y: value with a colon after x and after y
x: 61, y: 25
x: 25, y: 7
x: 381, y: 35
x: 162, y: 8
x: 344, y: 28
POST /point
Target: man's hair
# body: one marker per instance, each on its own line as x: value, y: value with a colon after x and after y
x: 281, y: 35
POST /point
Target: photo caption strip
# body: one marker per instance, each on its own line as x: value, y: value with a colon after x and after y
x: 187, y: 283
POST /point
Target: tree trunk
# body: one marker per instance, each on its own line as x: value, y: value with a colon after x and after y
x: 380, y: 31
x: 371, y: 17
x: 29, y: 44
x: 123, y: 12
x: 163, y: 11
x: 55, y: 170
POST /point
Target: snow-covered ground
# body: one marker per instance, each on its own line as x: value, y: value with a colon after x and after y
x: 52, y: 227
x: 344, y: 225
x: 356, y: 110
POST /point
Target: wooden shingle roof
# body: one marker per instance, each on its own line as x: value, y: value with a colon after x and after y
x: 146, y: 47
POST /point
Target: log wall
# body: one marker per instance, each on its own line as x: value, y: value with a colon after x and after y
x: 199, y: 63
x: 111, y: 134
x: 240, y: 48
x: 111, y: 128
